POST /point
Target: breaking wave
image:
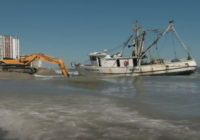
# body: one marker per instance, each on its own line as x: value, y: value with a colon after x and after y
x: 86, y: 118
x: 107, y: 108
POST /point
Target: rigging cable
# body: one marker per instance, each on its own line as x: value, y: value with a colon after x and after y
x: 173, y: 46
x: 181, y: 42
x: 156, y: 49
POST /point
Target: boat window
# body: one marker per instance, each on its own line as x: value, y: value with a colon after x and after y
x: 93, y: 58
x: 99, y: 59
x: 135, y: 62
x: 118, y: 63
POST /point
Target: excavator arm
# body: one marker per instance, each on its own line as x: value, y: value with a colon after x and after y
x: 26, y: 60
x: 23, y: 63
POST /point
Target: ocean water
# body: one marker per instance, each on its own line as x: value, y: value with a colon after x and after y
x: 106, y: 108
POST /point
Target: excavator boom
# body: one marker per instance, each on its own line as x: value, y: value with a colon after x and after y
x: 30, y: 58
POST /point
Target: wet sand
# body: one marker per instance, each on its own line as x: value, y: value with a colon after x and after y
x: 15, y: 75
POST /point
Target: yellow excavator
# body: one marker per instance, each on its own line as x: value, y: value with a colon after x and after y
x: 23, y: 64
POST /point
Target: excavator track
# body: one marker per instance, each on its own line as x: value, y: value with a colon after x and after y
x: 17, y: 68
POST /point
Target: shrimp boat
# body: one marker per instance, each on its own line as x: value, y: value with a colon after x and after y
x: 139, y: 62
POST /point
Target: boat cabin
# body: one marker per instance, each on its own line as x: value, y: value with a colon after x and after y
x: 103, y: 59
x: 95, y: 58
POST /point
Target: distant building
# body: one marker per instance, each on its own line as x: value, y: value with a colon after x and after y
x: 9, y: 47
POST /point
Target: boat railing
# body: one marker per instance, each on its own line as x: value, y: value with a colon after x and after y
x: 121, y: 58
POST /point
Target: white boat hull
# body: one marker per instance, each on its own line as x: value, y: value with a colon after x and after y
x: 170, y: 68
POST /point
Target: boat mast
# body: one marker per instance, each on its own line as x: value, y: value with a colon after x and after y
x: 139, y: 44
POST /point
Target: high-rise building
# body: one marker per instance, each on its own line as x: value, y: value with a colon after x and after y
x: 9, y: 47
